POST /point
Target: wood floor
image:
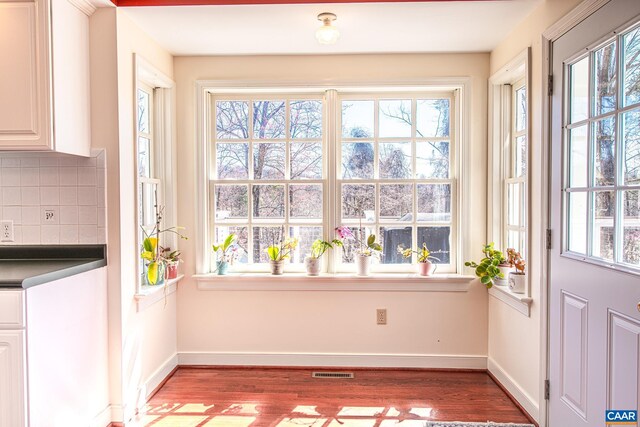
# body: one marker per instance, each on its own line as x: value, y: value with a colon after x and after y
x: 252, y: 397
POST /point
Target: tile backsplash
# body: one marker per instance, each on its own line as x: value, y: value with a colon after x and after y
x: 53, y: 198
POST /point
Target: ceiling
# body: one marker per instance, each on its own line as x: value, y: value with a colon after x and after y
x: 452, y: 26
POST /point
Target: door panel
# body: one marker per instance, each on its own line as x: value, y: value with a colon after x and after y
x: 574, y: 352
x: 624, y: 361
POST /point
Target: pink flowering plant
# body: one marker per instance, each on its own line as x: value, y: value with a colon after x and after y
x: 364, y: 247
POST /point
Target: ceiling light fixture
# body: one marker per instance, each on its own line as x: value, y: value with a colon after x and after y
x: 327, y: 34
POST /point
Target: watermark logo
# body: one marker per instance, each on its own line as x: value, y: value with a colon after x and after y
x: 617, y: 418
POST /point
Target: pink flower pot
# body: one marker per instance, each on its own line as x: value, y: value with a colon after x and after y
x: 426, y: 268
x: 172, y: 271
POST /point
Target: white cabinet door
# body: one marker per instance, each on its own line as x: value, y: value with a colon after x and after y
x: 12, y: 375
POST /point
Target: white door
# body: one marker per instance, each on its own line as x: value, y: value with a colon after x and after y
x: 595, y: 218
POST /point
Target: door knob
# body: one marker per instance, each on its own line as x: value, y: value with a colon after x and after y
x: 639, y: 306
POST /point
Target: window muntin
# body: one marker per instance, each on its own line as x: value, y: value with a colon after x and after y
x: 602, y: 166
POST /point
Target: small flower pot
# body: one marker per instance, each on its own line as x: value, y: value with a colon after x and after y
x: 517, y: 282
x: 426, y: 268
x: 172, y: 271
x: 505, y: 270
x: 313, y: 266
x: 363, y: 265
x: 277, y: 267
x: 161, y: 275
x: 222, y: 267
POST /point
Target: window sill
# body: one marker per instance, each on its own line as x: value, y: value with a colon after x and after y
x: 149, y: 295
x: 334, y: 282
x: 519, y: 302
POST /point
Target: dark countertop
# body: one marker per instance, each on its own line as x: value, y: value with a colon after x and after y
x: 27, y: 266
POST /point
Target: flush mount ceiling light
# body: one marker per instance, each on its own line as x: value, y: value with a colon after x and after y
x: 327, y: 34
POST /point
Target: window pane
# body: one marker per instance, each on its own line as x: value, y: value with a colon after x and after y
x: 631, y: 68
x: 432, y: 117
x: 306, y: 236
x: 604, y: 151
x: 148, y: 201
x: 577, y: 222
x: 395, y: 118
x: 513, y: 192
x: 144, y: 157
x: 350, y: 247
x: 268, y: 201
x: 143, y: 112
x: 580, y: 90
x: 432, y: 160
x: 438, y: 240
x: 392, y: 237
x: 396, y: 201
x: 578, y: 157
x: 434, y: 202
x: 306, y: 160
x: 395, y: 160
x: 242, y: 243
x: 357, y: 119
x: 513, y: 240
x: 232, y: 161
x: 358, y: 201
x: 603, y: 212
x: 306, y: 119
x: 604, y: 77
x: 232, y: 201
x: 268, y: 160
x: 263, y: 237
x: 631, y: 227
x: 357, y: 160
x: 521, y: 156
x: 521, y: 109
x: 305, y: 201
x: 631, y: 147
x: 269, y: 119
x: 232, y: 120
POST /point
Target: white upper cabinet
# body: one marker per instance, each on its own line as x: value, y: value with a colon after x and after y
x: 44, y: 76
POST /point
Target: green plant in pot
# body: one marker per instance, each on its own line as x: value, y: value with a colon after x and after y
x: 227, y: 253
x: 172, y: 260
x: 279, y: 252
x: 318, y: 248
x: 425, y: 266
x: 487, y: 269
x: 517, y: 278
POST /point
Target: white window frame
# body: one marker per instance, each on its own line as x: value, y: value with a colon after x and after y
x: 204, y: 88
x: 162, y: 148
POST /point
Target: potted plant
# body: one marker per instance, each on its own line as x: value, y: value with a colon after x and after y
x: 365, y: 249
x: 487, y: 270
x: 226, y: 254
x: 425, y: 266
x: 172, y: 259
x: 318, y: 248
x: 517, y: 278
x: 279, y: 252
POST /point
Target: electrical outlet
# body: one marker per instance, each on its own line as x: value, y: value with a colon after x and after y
x: 381, y: 316
x: 6, y: 230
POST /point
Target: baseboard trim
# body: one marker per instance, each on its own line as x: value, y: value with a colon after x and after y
x: 159, y: 377
x: 530, y: 409
x: 117, y: 415
x: 333, y: 360
x: 103, y: 419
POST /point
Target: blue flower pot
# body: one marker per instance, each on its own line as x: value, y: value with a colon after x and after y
x: 222, y: 267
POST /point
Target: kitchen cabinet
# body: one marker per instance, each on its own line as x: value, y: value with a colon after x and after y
x: 12, y: 356
x: 44, y: 76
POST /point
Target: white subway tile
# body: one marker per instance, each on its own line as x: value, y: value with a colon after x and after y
x: 102, y: 197
x: 68, y: 161
x: 10, y: 162
x: 31, y: 215
x: 68, y: 196
x: 87, y: 196
x: 87, y: 215
x: 87, y: 161
x: 30, y: 162
x: 29, y: 176
x: 30, y: 196
x: 68, y: 234
x: 12, y: 213
x: 50, y: 196
x: 87, y: 233
x: 101, y: 217
x: 31, y: 234
x: 10, y: 177
x: 101, y: 178
x: 102, y: 159
x: 102, y: 236
x: 50, y: 234
x: 48, y: 161
x: 49, y: 176
x: 17, y: 235
x: 87, y: 177
x: 50, y: 215
x: 11, y: 196
x: 68, y: 176
x: 68, y: 215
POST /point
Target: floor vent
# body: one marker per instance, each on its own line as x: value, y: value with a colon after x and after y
x: 332, y: 375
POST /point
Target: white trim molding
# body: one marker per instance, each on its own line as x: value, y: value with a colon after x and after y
x: 573, y: 18
x: 149, y: 295
x: 84, y: 6
x: 102, y: 419
x: 514, y: 388
x: 519, y: 302
x: 158, y: 377
x: 359, y: 360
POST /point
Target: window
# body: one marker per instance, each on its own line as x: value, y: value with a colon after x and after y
x: 302, y: 164
x: 602, y: 153
x: 150, y: 188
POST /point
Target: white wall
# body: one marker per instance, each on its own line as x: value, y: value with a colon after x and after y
x: 514, y: 339
x: 236, y: 327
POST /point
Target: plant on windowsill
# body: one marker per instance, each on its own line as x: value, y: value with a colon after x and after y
x: 365, y: 248
x: 173, y: 260
x: 425, y: 266
x: 313, y: 262
x: 518, y: 278
x: 279, y: 252
x: 227, y: 253
x: 487, y: 270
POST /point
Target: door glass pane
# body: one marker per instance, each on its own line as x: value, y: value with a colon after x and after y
x: 357, y: 119
x: 306, y: 119
x: 358, y: 201
x: 232, y: 201
x: 438, y: 240
x: 268, y: 201
x: 604, y: 151
x: 305, y: 201
x: 579, y: 90
x: 434, y: 202
x: 306, y: 236
x: 631, y: 147
x: 604, y: 79
x: 432, y: 117
x: 390, y: 238
x: 631, y: 227
x: 263, y: 237
x: 521, y: 109
x: 578, y: 157
x: 269, y: 119
x: 631, y: 68
x: 432, y: 160
x: 232, y: 120
x: 521, y: 156
x: 268, y: 160
x: 357, y: 160
x: 396, y: 201
x: 394, y: 117
x: 577, y: 223
x: 395, y: 160
x: 232, y: 161
x: 602, y: 223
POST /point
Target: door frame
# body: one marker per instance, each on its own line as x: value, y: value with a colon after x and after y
x: 550, y: 35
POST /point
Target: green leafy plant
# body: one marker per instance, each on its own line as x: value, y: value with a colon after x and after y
x: 319, y: 247
x: 282, y: 250
x: 227, y: 251
x: 366, y: 247
x: 423, y: 253
x: 487, y: 269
